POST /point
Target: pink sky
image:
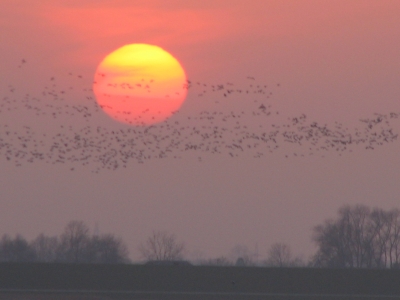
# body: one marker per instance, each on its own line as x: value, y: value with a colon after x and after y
x: 336, y: 60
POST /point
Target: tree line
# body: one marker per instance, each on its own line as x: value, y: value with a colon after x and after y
x: 359, y: 237
x: 74, y: 245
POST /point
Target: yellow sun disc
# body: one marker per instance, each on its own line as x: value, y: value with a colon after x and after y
x: 140, y: 84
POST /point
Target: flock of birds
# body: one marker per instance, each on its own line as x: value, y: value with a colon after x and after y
x: 74, y: 136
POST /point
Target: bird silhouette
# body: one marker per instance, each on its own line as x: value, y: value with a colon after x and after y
x: 77, y: 139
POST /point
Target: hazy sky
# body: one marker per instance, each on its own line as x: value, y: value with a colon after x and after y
x: 335, y: 60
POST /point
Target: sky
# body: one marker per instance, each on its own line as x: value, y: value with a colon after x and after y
x: 334, y: 62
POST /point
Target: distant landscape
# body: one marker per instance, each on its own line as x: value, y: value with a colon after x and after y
x: 359, y: 237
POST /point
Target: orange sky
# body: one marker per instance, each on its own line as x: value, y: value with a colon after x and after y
x: 208, y: 37
x: 336, y: 60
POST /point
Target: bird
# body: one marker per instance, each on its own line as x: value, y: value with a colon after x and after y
x: 77, y: 141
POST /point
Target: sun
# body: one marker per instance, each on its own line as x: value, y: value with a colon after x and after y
x: 140, y: 84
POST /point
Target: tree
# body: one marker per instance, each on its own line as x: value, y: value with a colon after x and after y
x: 218, y: 261
x: 16, y: 250
x: 73, y: 246
x: 280, y: 255
x: 346, y: 242
x: 46, y: 248
x: 107, y: 249
x: 387, y: 237
x: 242, y: 256
x: 74, y: 242
x: 162, y: 246
x: 359, y: 238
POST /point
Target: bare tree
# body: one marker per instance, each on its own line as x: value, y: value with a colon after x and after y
x: 45, y: 248
x: 162, y: 246
x: 346, y: 242
x: 359, y: 238
x: 74, y: 242
x: 386, y: 243
x: 279, y: 255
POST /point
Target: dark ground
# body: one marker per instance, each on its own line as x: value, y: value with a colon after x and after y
x: 89, y: 282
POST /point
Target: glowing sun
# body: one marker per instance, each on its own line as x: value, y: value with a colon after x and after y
x: 140, y: 84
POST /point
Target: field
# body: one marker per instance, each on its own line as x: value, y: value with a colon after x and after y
x: 70, y: 282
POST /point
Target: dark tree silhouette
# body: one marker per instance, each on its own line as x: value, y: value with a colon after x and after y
x: 243, y: 256
x: 386, y: 243
x: 74, y: 245
x: 74, y: 242
x: 280, y: 255
x: 107, y: 249
x: 359, y: 238
x: 15, y: 250
x: 46, y: 248
x: 162, y: 246
x: 218, y: 261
